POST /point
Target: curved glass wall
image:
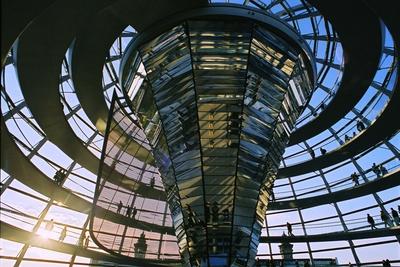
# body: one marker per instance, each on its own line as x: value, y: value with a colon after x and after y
x: 318, y: 202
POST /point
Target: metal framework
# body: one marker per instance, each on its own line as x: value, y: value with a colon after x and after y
x: 54, y: 115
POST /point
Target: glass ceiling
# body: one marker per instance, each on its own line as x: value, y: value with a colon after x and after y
x: 30, y: 198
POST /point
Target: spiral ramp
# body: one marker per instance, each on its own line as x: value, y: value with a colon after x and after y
x: 60, y: 67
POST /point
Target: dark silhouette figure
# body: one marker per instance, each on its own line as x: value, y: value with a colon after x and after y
x: 272, y: 195
x: 346, y: 138
x: 214, y: 211
x: 191, y: 216
x: 258, y: 262
x: 354, y: 178
x: 152, y: 182
x: 49, y: 225
x: 360, y: 125
x: 63, y: 234
x: 386, y: 263
x: 128, y: 211
x: 323, y: 151
x: 119, y: 207
x: 86, y: 242
x: 59, y: 176
x: 376, y: 169
x: 371, y: 222
x: 312, y: 153
x: 134, y: 212
x: 395, y: 216
x: 207, y: 211
x: 384, y: 218
x: 239, y: 237
x: 225, y: 213
x: 289, y: 229
x: 383, y: 170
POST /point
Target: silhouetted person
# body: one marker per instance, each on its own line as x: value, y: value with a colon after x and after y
x: 59, y: 176
x: 128, y: 211
x: 191, y: 216
x: 49, y: 225
x: 63, y: 234
x: 312, y: 153
x: 360, y: 125
x: 376, y: 169
x: 271, y: 194
x: 86, y: 242
x: 346, y: 138
x: 214, y: 211
x: 119, y: 207
x: 152, y: 182
x: 354, y: 178
x: 239, y: 237
x: 322, y: 150
x: 354, y: 134
x: 383, y: 170
x: 395, y: 216
x: 134, y: 212
x: 258, y: 262
x: 371, y: 222
x: 289, y: 229
x: 386, y: 263
x: 384, y: 218
x: 350, y: 265
x: 207, y: 211
x: 225, y: 213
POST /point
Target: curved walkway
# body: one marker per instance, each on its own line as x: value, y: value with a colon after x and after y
x: 383, y: 127
x: 15, y: 163
x: 12, y: 233
x: 390, y: 180
x: 88, y: 54
x: 12, y: 26
x: 39, y: 79
x: 334, y: 236
x: 360, y: 34
x: 47, y: 38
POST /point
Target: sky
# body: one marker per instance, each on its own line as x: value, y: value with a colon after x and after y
x: 21, y: 199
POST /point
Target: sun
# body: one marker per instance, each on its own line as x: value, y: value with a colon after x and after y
x: 46, y: 234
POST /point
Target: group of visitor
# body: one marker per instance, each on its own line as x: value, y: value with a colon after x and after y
x: 385, y: 217
x: 130, y: 211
